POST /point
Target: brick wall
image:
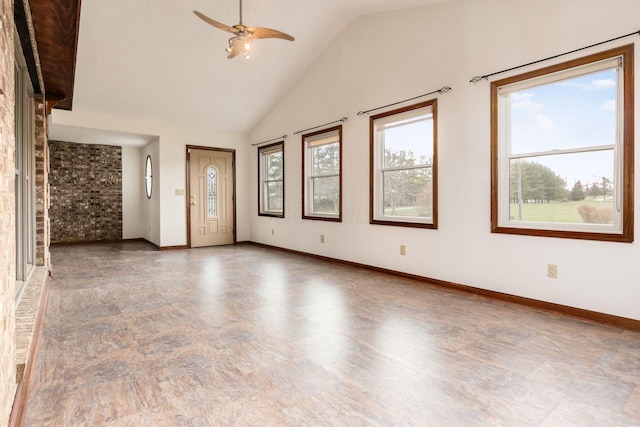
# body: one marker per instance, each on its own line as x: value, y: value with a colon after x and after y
x: 86, y: 192
x: 42, y: 177
x: 7, y: 224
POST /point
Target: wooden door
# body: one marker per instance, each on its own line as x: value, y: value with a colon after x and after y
x: 211, y: 206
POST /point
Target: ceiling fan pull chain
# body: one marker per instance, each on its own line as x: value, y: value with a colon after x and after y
x: 240, y: 12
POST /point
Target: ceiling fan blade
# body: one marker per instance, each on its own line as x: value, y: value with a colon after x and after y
x: 268, y: 33
x: 216, y: 24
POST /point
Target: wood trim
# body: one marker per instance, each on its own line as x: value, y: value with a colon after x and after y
x: 304, y: 175
x: 627, y: 235
x: 433, y: 103
x: 259, y: 150
x: 88, y: 242
x: 187, y: 196
x: 564, y: 310
x: 56, y: 24
x: 172, y: 248
x: 188, y: 190
x: 24, y: 35
x: 20, y: 401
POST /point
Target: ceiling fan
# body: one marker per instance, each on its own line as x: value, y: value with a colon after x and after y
x: 243, y: 35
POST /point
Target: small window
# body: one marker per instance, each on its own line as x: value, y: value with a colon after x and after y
x: 403, y: 166
x: 322, y: 160
x: 271, y: 180
x: 148, y: 177
x: 562, y: 144
x: 212, y: 192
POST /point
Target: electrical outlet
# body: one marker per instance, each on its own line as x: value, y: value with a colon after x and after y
x: 403, y: 250
x: 322, y: 238
x: 273, y: 231
x: 552, y: 271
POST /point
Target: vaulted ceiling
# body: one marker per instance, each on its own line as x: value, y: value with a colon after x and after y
x: 155, y: 60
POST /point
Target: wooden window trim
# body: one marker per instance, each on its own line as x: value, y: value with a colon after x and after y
x: 627, y: 148
x: 305, y: 205
x: 433, y: 103
x: 261, y: 211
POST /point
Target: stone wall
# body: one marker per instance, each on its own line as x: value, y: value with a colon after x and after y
x: 86, y: 192
x: 7, y: 217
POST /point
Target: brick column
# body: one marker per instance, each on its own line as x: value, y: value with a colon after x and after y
x: 42, y: 182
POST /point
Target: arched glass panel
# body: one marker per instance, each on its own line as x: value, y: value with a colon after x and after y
x: 212, y: 190
x: 148, y: 177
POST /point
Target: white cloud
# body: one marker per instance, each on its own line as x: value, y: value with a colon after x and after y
x: 524, y: 100
x: 544, y: 123
x: 609, y: 105
x: 603, y: 84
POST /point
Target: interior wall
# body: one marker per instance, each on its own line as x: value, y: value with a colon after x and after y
x: 170, y: 167
x: 384, y: 58
x: 132, y: 192
x: 150, y: 218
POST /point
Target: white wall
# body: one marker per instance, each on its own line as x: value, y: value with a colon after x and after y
x: 167, y: 212
x: 388, y: 57
x: 150, y: 209
x: 132, y: 192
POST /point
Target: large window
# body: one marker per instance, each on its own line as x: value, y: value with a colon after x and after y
x: 25, y: 204
x: 562, y: 149
x: 271, y: 180
x: 403, y: 166
x: 322, y: 160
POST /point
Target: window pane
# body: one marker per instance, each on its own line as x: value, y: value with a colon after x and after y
x: 408, y: 193
x: 273, y: 195
x: 326, y: 195
x: 212, y: 201
x: 325, y: 159
x: 563, y: 188
x: 571, y: 113
x: 148, y: 177
x: 273, y: 163
x: 408, y: 143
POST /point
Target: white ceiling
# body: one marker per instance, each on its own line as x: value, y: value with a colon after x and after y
x: 154, y: 59
x: 81, y: 135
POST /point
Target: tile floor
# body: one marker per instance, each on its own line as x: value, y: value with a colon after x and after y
x: 247, y: 336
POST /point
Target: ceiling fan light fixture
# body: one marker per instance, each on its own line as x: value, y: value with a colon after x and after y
x: 244, y: 35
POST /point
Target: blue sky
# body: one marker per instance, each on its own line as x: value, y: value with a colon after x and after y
x: 579, y: 112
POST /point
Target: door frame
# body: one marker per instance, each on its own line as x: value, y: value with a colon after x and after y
x: 188, y: 179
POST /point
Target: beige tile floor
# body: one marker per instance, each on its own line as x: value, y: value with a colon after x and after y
x: 243, y: 335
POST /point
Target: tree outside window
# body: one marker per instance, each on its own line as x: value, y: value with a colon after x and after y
x: 321, y: 157
x: 562, y: 144
x: 403, y: 166
x: 271, y: 180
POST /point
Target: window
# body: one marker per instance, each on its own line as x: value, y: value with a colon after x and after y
x: 212, y: 192
x: 271, y: 180
x: 322, y: 160
x: 562, y: 149
x: 148, y: 177
x: 403, y: 166
x: 24, y: 184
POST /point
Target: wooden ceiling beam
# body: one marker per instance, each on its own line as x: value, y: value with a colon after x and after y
x: 56, y: 24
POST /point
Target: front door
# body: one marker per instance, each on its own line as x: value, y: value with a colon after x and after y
x: 211, y: 197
